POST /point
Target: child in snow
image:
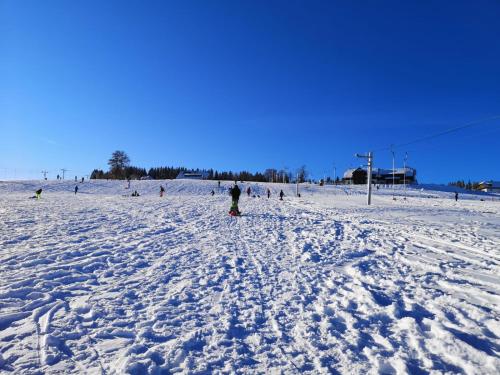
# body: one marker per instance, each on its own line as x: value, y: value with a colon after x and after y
x: 281, y: 195
x: 162, y: 190
x: 268, y: 193
x: 249, y: 191
x: 76, y: 189
x: 235, y: 195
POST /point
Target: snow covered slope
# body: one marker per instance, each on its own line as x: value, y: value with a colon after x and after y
x: 101, y: 282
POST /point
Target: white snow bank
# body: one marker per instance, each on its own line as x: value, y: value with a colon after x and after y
x: 101, y: 282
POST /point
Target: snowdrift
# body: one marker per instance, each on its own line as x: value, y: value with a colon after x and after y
x: 102, y: 282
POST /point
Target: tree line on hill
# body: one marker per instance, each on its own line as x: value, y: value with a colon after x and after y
x: 120, y: 169
x: 462, y: 184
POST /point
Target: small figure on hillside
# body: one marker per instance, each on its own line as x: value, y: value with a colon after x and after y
x: 162, y: 190
x: 135, y: 194
x: 456, y: 196
x: 281, y: 195
x: 38, y: 194
x: 268, y: 193
x: 58, y: 177
x: 83, y: 179
x: 249, y: 191
x: 218, y: 184
x: 235, y: 195
x: 76, y: 178
x: 76, y: 189
x: 212, y: 192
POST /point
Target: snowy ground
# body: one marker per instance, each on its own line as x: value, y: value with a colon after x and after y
x: 104, y: 283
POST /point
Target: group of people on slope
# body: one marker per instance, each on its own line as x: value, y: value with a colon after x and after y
x: 235, y: 192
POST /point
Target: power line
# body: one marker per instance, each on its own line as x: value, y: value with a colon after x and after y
x: 452, y: 130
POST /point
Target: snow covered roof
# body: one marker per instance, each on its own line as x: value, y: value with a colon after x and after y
x: 348, y: 173
x: 201, y: 175
x: 382, y: 172
x: 491, y: 184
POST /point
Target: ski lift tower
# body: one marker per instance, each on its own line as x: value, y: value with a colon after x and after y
x: 368, y: 156
x: 393, y: 173
x: 404, y: 173
x: 297, y: 186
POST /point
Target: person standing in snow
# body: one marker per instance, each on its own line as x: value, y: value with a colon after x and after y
x: 249, y: 191
x: 456, y: 196
x: 281, y: 195
x: 162, y: 190
x: 76, y: 189
x: 235, y: 195
x: 268, y: 193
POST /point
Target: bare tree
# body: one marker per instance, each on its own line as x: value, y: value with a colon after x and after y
x: 117, y: 164
x: 270, y: 174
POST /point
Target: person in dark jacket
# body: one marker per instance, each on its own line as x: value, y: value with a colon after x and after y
x: 235, y: 195
x: 249, y: 191
x: 76, y: 189
x: 268, y: 193
x: 281, y: 195
x: 162, y: 190
x: 456, y: 196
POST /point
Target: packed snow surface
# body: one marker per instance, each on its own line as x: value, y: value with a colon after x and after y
x: 104, y: 283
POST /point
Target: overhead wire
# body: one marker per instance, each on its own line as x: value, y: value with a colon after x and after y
x: 432, y: 136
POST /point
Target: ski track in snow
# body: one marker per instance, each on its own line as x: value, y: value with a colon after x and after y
x: 100, y: 283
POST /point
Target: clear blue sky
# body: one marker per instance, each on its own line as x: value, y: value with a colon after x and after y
x: 247, y: 85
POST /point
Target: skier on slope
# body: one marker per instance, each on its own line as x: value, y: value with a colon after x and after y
x: 235, y: 195
x: 281, y: 195
x: 76, y: 189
